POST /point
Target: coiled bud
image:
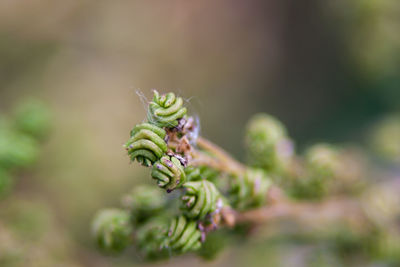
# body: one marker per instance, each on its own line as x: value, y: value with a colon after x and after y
x: 112, y: 230
x: 268, y: 146
x: 169, y: 173
x: 250, y: 190
x: 166, y: 110
x: 146, y: 144
x: 200, y: 199
x: 144, y: 201
x: 183, y: 235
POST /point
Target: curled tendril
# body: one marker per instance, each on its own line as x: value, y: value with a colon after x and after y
x: 112, y: 230
x: 250, y: 190
x: 200, y: 199
x: 183, y: 235
x: 165, y: 110
x: 200, y: 173
x: 169, y: 173
x: 146, y: 144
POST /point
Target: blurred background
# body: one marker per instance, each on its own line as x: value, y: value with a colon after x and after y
x: 328, y: 70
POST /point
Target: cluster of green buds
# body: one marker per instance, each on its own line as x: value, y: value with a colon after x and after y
x: 159, y: 226
x: 202, y: 204
x: 19, y: 139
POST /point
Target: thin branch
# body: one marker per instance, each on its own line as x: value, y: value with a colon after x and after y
x: 224, y: 161
x: 330, y: 211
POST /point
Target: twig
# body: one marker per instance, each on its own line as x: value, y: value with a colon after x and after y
x: 223, y: 160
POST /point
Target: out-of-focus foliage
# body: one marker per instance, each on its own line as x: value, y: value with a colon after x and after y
x: 385, y: 138
x: 19, y: 139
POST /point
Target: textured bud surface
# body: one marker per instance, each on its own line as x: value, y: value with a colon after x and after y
x: 169, y: 173
x: 166, y: 110
x: 146, y: 144
x: 200, y: 199
x: 183, y: 235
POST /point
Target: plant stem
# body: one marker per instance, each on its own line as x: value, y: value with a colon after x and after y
x: 222, y: 160
x: 328, y: 212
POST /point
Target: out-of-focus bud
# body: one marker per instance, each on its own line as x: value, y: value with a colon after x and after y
x: 250, y: 190
x: 382, y: 204
x: 268, y: 146
x: 112, y: 230
x: 33, y: 118
x: 144, y: 201
x: 385, y: 138
x: 150, y: 239
x: 17, y: 150
x: 322, y: 160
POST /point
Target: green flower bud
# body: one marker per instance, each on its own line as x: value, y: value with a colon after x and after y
x: 146, y: 144
x: 268, y: 146
x: 150, y: 239
x: 169, y: 173
x: 144, y: 202
x: 250, y: 190
x: 166, y: 110
x: 112, y: 230
x: 183, y: 235
x: 33, y: 118
x: 200, y: 199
